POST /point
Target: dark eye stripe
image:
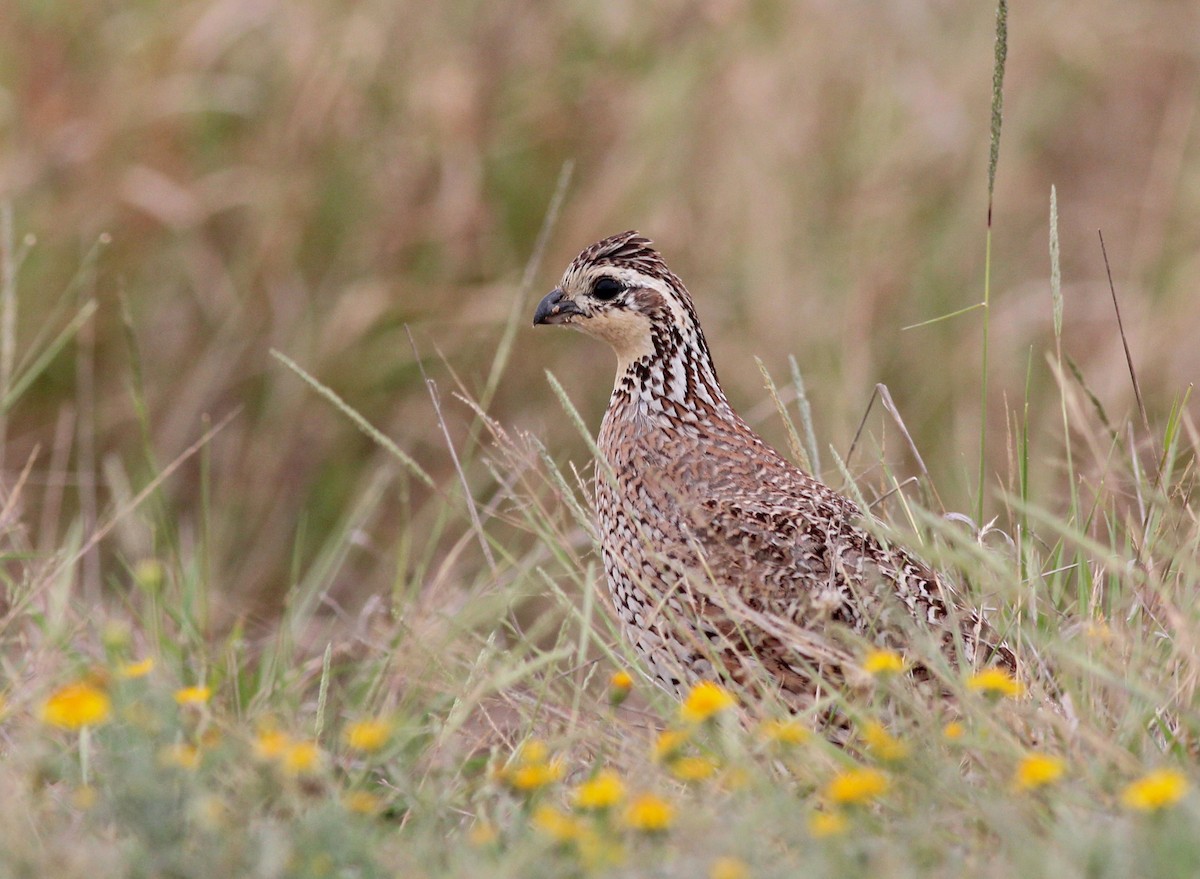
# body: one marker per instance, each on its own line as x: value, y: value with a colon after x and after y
x: 607, y: 288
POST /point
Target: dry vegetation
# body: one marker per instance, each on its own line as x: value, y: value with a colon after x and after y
x: 188, y: 186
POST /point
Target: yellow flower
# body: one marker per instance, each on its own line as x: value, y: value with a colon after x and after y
x: 270, y: 744
x: 602, y: 791
x: 649, y: 813
x: 533, y: 751
x: 534, y: 776
x: 784, y: 732
x: 193, y: 695
x: 705, y: 700
x: 139, y: 669
x: 883, y: 744
x: 482, y: 833
x: 1038, y: 770
x: 1155, y: 790
x: 995, y: 682
x: 181, y: 755
x: 555, y: 824
x: 619, y: 686
x: 531, y: 768
x: 822, y: 824
x: 855, y: 786
x: 367, y: 735
x: 883, y: 663
x: 728, y: 868
x: 669, y: 743
x: 953, y: 731
x: 76, y: 705
x: 300, y: 758
x: 693, y: 768
x: 362, y: 802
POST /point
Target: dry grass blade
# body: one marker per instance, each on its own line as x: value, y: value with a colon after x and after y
x: 797, y: 448
x: 468, y: 497
x: 359, y: 422
x: 1112, y: 289
x: 514, y: 322
x: 810, y: 433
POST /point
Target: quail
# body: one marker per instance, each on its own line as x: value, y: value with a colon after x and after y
x: 723, y: 558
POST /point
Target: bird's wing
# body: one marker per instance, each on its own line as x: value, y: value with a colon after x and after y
x: 804, y: 556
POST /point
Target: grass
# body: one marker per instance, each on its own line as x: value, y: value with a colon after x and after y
x: 337, y: 611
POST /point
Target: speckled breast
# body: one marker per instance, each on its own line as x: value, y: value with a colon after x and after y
x: 656, y: 617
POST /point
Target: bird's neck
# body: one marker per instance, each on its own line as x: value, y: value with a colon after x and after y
x: 676, y: 378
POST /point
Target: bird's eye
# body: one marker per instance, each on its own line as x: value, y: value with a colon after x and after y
x: 607, y: 288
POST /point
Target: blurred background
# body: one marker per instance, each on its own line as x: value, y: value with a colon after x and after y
x: 223, y: 177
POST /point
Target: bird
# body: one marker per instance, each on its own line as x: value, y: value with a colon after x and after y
x: 724, y: 559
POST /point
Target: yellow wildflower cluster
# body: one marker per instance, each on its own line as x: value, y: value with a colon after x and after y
x: 294, y: 757
x: 649, y: 813
x: 693, y: 767
x: 599, y: 806
x: 138, y: 669
x: 996, y: 682
x: 588, y: 830
x: 1155, y: 791
x: 362, y: 802
x: 883, y: 663
x: 193, y: 696
x: 619, y: 686
x: 883, y: 744
x: 784, y: 732
x: 602, y: 791
x: 270, y: 744
x: 558, y: 825
x: 531, y: 769
x: 670, y: 744
x: 671, y: 749
x: 857, y: 786
x: 593, y: 848
x: 822, y: 824
x: 705, y: 701
x: 368, y: 735
x: 76, y: 705
x: 301, y: 758
x: 1038, y: 770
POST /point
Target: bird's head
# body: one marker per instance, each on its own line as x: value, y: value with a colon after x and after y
x: 620, y: 290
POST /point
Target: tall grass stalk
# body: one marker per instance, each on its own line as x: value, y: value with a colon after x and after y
x: 1056, y: 300
x: 993, y: 160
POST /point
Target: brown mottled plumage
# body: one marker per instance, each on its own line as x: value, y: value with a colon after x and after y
x: 725, y: 559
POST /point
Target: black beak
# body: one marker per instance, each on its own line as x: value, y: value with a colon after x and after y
x: 555, y: 308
